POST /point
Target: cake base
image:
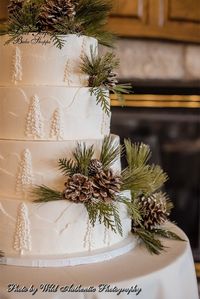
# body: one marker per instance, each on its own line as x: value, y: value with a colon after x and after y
x: 96, y: 256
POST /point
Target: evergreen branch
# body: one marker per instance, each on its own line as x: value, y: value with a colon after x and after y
x: 106, y: 214
x: 45, y: 194
x: 132, y: 208
x: 165, y: 233
x: 158, y: 177
x: 67, y: 167
x: 117, y: 220
x: 153, y: 245
x: 110, y: 152
x: 137, y: 180
x: 102, y: 98
x: 83, y: 156
x: 57, y: 40
x: 136, y: 154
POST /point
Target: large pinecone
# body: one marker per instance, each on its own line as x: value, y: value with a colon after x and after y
x: 54, y: 12
x: 106, y: 185
x: 155, y: 210
x: 78, y: 189
x: 15, y: 6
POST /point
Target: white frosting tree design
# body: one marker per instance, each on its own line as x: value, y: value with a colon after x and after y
x: 68, y: 73
x: 17, y: 66
x: 57, y: 130
x: 22, y: 237
x: 34, y: 120
x: 25, y: 174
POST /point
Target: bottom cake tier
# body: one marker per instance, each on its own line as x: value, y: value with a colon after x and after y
x: 54, y: 228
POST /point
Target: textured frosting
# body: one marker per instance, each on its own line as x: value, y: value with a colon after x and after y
x: 27, y: 163
x: 51, y: 113
x: 53, y: 228
x: 34, y: 60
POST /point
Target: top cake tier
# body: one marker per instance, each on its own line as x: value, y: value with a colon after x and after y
x: 33, y: 59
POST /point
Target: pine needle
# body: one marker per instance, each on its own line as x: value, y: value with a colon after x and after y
x: 106, y: 214
x: 67, y: 167
x: 132, y: 208
x: 110, y: 152
x: 46, y: 194
x: 102, y: 98
x: 167, y: 234
x: 137, y: 155
x: 153, y: 245
x: 83, y: 156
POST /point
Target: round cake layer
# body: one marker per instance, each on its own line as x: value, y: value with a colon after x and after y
x: 24, y: 164
x: 34, y: 59
x: 51, y: 113
x: 53, y: 228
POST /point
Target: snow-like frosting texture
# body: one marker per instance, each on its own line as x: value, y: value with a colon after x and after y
x: 24, y: 164
x: 51, y: 113
x: 54, y: 228
x: 33, y: 59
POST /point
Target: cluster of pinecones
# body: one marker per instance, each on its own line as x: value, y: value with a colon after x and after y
x: 100, y: 185
x: 154, y: 211
x: 52, y: 12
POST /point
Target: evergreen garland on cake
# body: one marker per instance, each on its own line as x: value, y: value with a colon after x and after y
x: 59, y: 17
x: 103, y: 77
x: 92, y: 182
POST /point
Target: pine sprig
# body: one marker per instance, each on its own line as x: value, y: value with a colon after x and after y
x: 141, y: 177
x: 137, y: 154
x: 90, y: 19
x: 132, y: 208
x: 46, y: 194
x: 153, y: 245
x: 110, y: 152
x: 106, y: 214
x: 67, y: 167
x: 167, y: 234
x: 83, y: 156
x: 102, y: 98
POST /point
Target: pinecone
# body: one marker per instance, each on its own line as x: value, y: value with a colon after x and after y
x: 54, y: 12
x: 78, y: 189
x: 106, y: 185
x: 155, y: 210
x: 112, y: 80
x: 95, y: 167
x: 15, y: 6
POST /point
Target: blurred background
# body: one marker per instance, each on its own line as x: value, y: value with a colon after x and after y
x: 159, y: 48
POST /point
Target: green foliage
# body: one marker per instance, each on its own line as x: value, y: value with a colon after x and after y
x: 110, y: 152
x: 98, y: 68
x: 91, y: 18
x: 153, y: 245
x: 167, y: 234
x: 83, y: 156
x: 102, y: 98
x: 139, y: 176
x: 132, y: 209
x: 106, y: 214
x: 67, y: 167
x: 45, y: 194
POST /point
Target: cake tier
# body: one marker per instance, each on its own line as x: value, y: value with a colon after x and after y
x: 34, y: 59
x: 51, y: 113
x: 24, y: 164
x: 53, y: 228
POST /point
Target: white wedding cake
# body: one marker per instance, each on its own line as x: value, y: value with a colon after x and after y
x: 64, y: 199
x: 45, y: 109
